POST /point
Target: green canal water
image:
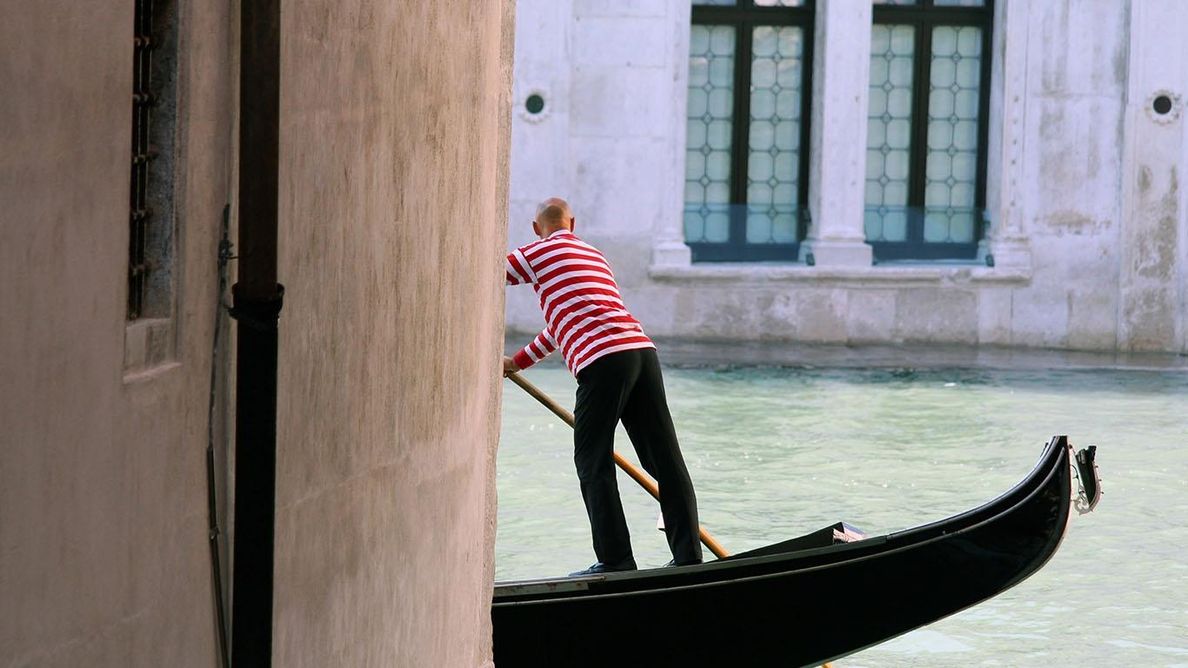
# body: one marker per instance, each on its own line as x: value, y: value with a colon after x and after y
x: 778, y: 452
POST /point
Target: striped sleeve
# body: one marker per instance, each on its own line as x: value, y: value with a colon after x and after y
x: 541, y: 346
x: 517, y: 269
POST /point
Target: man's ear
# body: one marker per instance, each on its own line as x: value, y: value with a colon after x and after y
x: 573, y: 224
x: 536, y: 228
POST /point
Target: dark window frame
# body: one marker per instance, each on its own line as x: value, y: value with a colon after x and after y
x: 155, y: 152
x: 744, y: 17
x: 924, y: 17
x: 139, y: 263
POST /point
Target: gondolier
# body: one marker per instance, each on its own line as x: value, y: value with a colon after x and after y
x: 619, y: 378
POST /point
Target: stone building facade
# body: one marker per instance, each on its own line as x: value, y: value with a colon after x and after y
x: 1028, y: 196
x: 385, y: 508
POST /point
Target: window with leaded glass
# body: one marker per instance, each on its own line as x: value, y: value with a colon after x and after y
x: 926, y: 131
x: 746, y: 163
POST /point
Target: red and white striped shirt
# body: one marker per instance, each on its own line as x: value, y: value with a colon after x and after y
x: 584, y: 314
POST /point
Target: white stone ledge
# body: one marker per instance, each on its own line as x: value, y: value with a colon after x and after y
x: 887, y: 274
x: 150, y: 374
x: 149, y: 344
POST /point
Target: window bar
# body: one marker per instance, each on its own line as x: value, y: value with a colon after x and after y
x: 984, y: 88
x: 740, y: 144
x: 918, y: 162
x: 806, y: 110
x: 142, y: 101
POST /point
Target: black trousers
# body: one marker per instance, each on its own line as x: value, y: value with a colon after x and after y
x: 627, y: 386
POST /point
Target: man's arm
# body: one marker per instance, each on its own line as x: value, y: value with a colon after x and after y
x: 530, y: 354
x: 517, y: 269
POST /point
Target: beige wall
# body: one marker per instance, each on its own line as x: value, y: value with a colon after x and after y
x: 103, y: 550
x: 393, y: 189
x: 393, y: 183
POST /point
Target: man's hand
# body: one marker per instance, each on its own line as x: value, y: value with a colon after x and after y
x: 509, y: 367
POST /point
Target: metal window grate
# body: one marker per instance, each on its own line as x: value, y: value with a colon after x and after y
x: 142, y: 102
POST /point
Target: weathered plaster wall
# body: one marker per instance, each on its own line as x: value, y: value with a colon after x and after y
x: 608, y: 137
x: 103, y: 540
x: 393, y: 196
x: 1076, y: 73
x: 1153, y: 269
x: 1089, y: 253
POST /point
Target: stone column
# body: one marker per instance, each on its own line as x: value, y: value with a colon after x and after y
x: 669, y: 249
x: 837, y: 172
x: 1006, y: 239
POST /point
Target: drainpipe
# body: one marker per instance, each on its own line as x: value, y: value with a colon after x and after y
x: 257, y: 304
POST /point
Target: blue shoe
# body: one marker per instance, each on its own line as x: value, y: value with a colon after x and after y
x: 599, y: 568
x: 673, y: 563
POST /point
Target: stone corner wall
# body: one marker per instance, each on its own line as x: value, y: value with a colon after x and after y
x: 393, y: 187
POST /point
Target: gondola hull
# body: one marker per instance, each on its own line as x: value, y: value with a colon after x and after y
x: 790, y: 608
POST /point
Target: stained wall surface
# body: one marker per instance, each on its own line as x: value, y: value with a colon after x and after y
x: 103, y: 522
x: 1087, y: 230
x: 393, y: 188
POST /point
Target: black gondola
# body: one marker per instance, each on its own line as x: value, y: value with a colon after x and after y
x: 801, y: 602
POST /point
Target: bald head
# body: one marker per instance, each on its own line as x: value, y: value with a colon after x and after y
x: 551, y: 215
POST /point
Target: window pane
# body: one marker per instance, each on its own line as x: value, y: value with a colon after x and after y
x: 779, y: 3
x: 773, y: 161
x: 713, y: 2
x: 953, y: 106
x: 889, y: 127
x: 895, y: 2
x: 959, y: 3
x: 710, y: 122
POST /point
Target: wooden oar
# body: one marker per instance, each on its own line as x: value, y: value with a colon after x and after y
x: 630, y: 469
